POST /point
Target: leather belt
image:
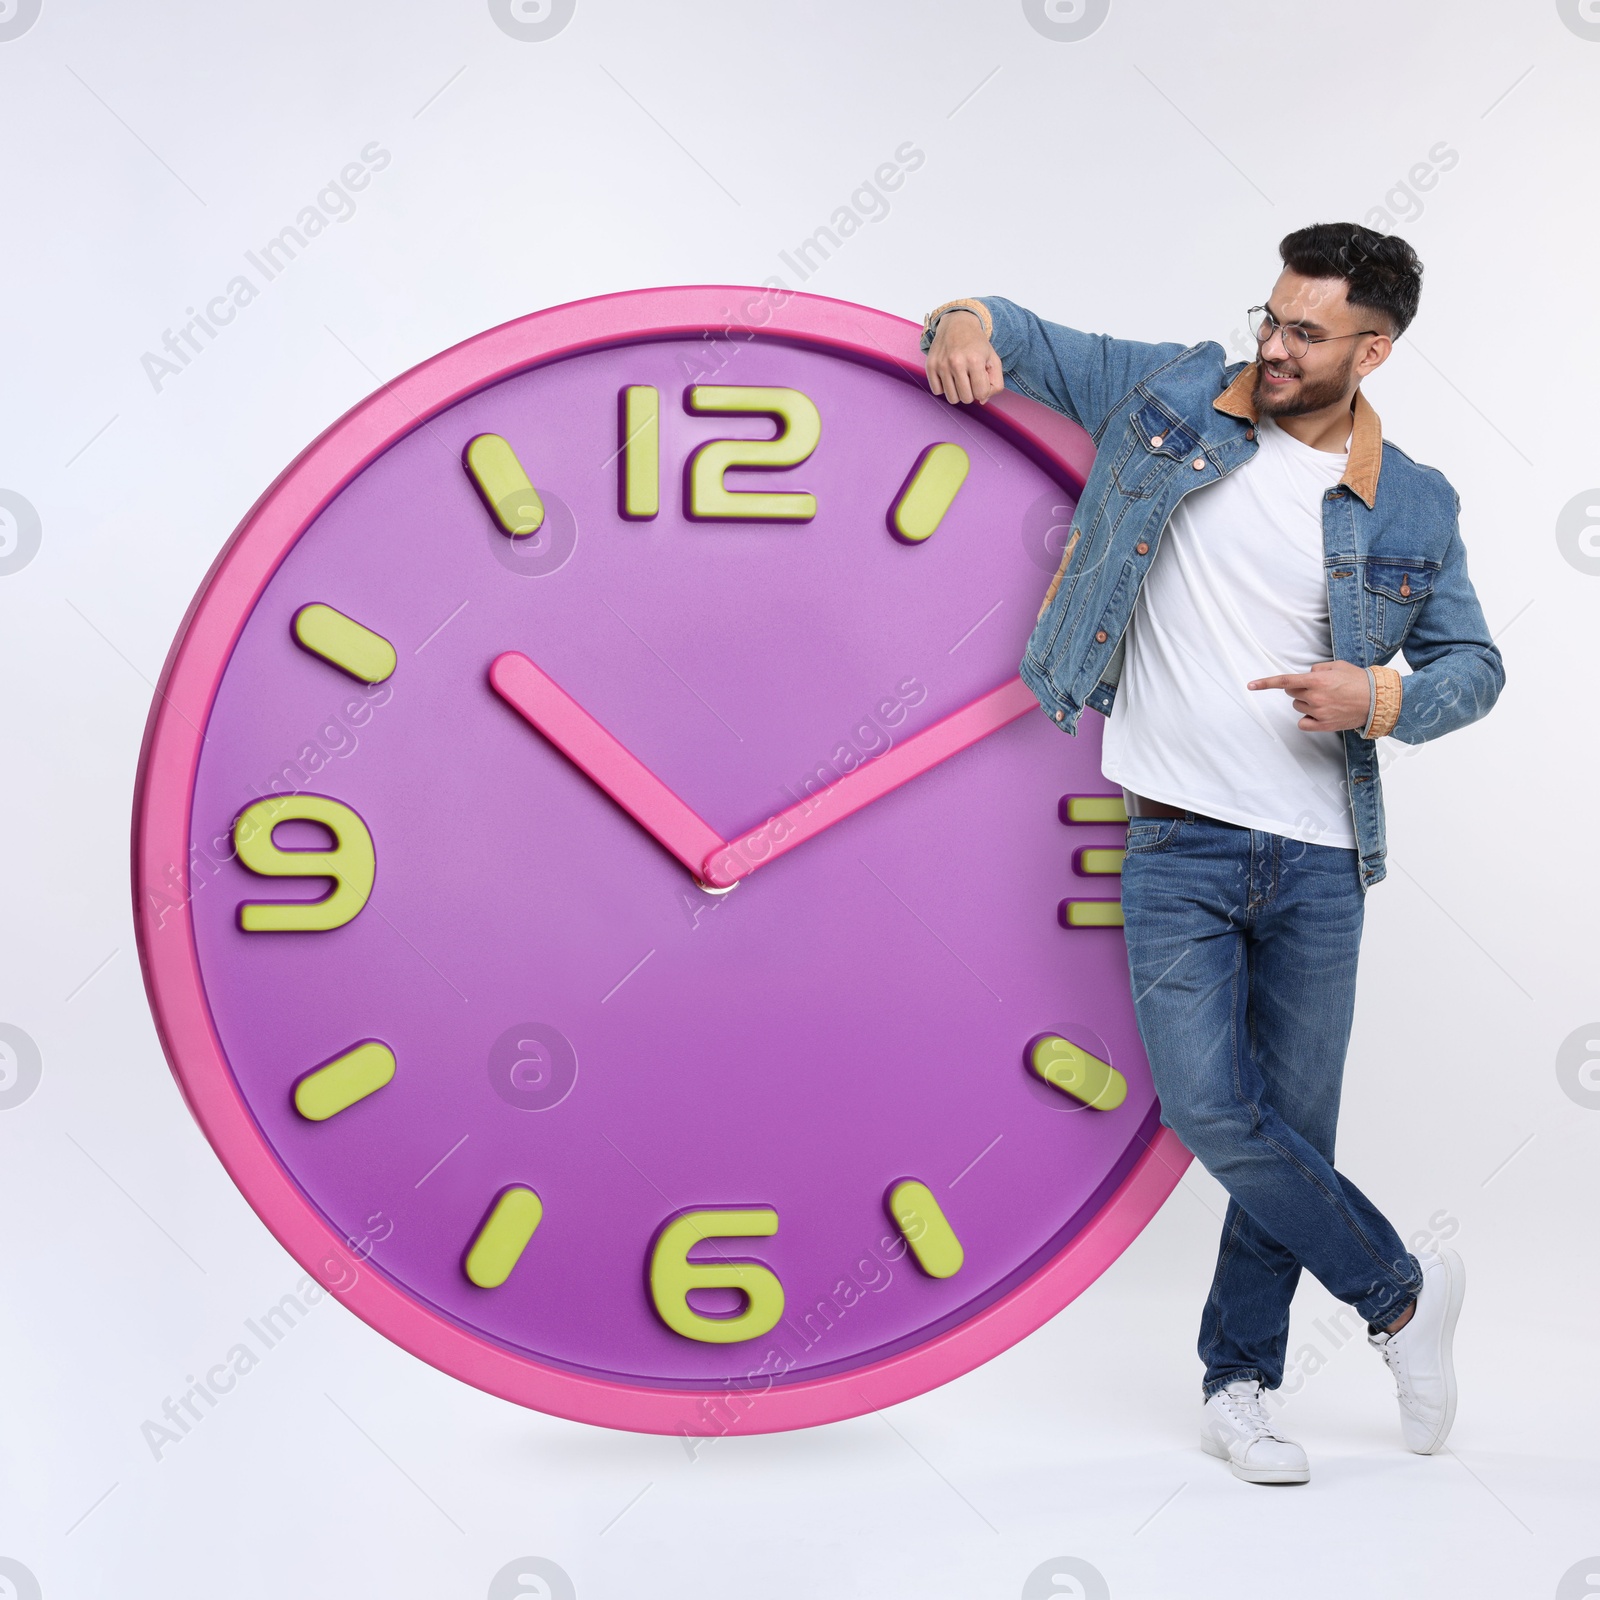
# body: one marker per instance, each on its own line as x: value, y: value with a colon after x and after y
x: 1137, y: 805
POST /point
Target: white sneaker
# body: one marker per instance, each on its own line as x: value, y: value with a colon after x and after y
x: 1235, y: 1428
x: 1419, y: 1354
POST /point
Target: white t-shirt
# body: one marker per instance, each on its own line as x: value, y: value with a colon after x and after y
x: 1237, y: 591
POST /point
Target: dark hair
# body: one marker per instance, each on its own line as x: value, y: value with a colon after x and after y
x: 1381, y: 269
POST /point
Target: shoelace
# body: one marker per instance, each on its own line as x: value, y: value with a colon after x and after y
x: 1396, y: 1366
x: 1246, y: 1413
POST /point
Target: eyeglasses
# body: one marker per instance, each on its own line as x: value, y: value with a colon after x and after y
x: 1295, y: 338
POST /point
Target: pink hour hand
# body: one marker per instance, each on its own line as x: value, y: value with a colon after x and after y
x: 587, y: 745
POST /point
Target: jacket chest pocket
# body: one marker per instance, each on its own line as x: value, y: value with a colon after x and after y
x: 1393, y: 593
x: 1152, y: 446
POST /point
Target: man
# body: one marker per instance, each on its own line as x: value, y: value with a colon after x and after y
x: 1247, y: 530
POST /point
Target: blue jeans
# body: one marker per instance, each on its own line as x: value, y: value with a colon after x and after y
x: 1242, y: 950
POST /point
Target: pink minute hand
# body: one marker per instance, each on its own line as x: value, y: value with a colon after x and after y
x: 596, y: 753
x: 868, y: 782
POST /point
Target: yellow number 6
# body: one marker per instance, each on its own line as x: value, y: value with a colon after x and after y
x: 351, y: 864
x: 673, y: 1275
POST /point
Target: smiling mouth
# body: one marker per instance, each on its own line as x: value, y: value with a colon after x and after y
x: 1273, y: 375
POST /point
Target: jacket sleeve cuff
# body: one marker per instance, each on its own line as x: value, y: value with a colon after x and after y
x: 930, y: 323
x: 1386, y: 690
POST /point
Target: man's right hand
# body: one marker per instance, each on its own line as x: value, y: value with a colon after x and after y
x: 962, y: 365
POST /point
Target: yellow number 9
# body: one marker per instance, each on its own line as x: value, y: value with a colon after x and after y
x: 673, y: 1275
x: 351, y: 864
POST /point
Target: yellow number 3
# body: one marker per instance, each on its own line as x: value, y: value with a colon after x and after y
x: 673, y: 1275
x: 351, y: 863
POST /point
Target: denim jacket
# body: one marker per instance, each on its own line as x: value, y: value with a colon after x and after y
x: 1166, y: 419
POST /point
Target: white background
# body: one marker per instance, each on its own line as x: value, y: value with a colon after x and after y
x: 1134, y: 182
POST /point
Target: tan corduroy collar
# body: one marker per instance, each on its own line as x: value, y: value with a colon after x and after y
x: 1366, y: 433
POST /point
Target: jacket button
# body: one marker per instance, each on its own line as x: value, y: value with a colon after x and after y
x: 1142, y: 548
x: 1155, y: 440
x: 1061, y: 716
x: 1100, y: 636
x: 1199, y: 463
x: 1249, y: 433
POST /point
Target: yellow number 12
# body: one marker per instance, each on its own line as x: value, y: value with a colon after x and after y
x: 708, y: 498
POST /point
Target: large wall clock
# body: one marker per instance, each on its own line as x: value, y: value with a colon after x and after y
x: 606, y: 895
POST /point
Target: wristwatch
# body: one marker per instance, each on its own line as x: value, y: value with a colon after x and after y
x: 930, y: 323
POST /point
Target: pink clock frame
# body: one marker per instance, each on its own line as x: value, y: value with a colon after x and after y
x: 167, y: 946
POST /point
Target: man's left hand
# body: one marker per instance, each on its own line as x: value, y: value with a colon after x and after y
x: 1332, y: 696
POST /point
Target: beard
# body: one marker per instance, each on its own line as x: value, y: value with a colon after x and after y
x: 1309, y: 394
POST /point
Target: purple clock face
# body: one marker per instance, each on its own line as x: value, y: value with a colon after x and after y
x: 569, y: 1012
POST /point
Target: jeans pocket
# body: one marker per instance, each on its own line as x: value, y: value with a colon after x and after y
x: 1146, y: 834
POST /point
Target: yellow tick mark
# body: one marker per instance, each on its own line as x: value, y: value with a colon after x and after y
x: 336, y: 1085
x: 1093, y: 808
x: 1064, y: 1066
x: 1091, y: 914
x: 493, y: 466
x: 934, y: 484
x: 344, y: 643
x: 503, y: 1238
x: 1094, y: 862
x: 933, y: 1241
